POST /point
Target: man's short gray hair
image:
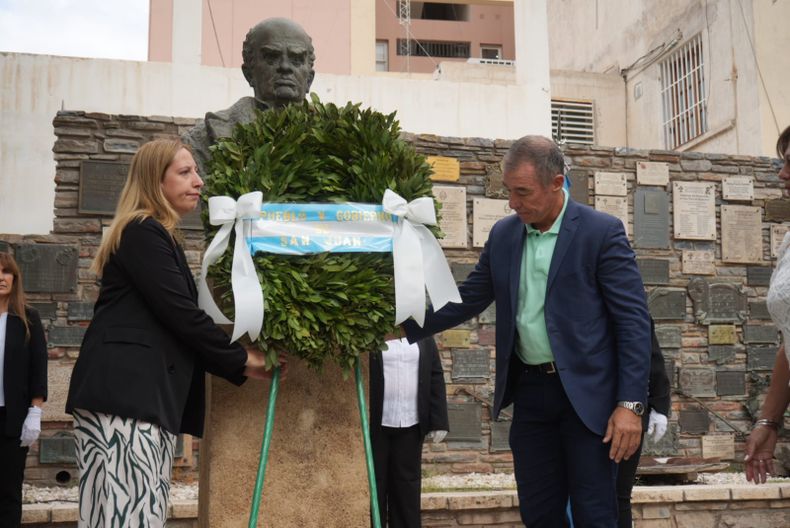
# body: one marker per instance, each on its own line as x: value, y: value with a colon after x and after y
x: 540, y: 152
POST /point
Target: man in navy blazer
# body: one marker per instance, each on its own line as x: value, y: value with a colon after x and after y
x: 572, y: 340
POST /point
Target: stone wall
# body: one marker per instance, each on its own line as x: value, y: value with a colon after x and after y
x: 717, y: 386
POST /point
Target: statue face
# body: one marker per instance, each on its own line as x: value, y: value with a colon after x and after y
x: 281, y: 73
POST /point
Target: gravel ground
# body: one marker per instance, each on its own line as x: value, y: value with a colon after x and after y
x: 36, y: 494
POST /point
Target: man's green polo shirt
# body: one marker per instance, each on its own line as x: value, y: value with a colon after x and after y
x: 533, y: 339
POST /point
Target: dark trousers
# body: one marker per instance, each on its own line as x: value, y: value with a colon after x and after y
x: 12, y: 462
x: 626, y: 474
x: 397, y: 456
x: 556, y: 456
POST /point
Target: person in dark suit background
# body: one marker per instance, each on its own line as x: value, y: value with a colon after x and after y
x: 23, y: 387
x: 408, y: 400
x: 572, y: 340
x: 140, y: 376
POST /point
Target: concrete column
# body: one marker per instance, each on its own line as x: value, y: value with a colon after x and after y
x: 187, y: 31
x: 363, y: 36
x: 532, y: 63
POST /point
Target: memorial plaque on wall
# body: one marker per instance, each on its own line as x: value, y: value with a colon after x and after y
x: 717, y: 301
x: 778, y: 232
x: 455, y: 338
x: 698, y: 262
x: 721, y: 354
x: 461, y: 270
x: 616, y: 206
x: 667, y: 446
x: 80, y: 311
x: 100, y: 186
x: 760, y: 334
x: 758, y: 310
x: 488, y: 316
x: 465, y: 422
x: 500, y: 436
x: 611, y: 184
x: 58, y: 449
x: 694, y: 210
x: 777, y: 210
x: 652, y: 173
x: 730, y: 382
x: 471, y: 364
x: 698, y: 381
x: 65, y: 336
x: 672, y: 372
x: 667, y: 304
x: 694, y: 421
x: 47, y: 268
x: 651, y: 218
x: 453, y: 220
x: 720, y: 445
x: 653, y: 271
x: 761, y: 357
x: 722, y: 335
x: 444, y: 168
x: 46, y: 310
x: 741, y: 234
x: 738, y: 188
x: 758, y: 276
x: 669, y: 336
x: 485, y: 213
x: 579, y: 190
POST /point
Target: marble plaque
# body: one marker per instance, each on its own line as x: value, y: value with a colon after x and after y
x: 694, y: 210
x: 760, y: 334
x: 667, y: 304
x: 455, y: 338
x: 777, y: 210
x: 761, y: 357
x: 741, y: 234
x: 721, y: 354
x: 444, y: 168
x: 80, y: 311
x: 758, y: 276
x: 100, y: 186
x: 65, y: 336
x: 651, y: 218
x: 738, y: 188
x: 485, y: 213
x: 579, y: 190
x: 669, y: 336
x: 778, y: 232
x: 699, y: 381
x: 471, y: 364
x: 694, y: 421
x: 722, y: 335
x: 652, y: 173
x: 500, y: 436
x: 46, y: 310
x: 758, y: 310
x: 653, y: 271
x: 616, y: 206
x: 611, y: 184
x: 720, y: 445
x: 730, y: 382
x: 461, y: 270
x: 58, y: 449
x: 717, y: 301
x: 47, y: 267
x: 488, y: 316
x: 453, y: 215
x: 466, y: 422
x: 698, y: 262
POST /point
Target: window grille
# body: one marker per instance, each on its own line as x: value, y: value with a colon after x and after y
x: 683, y: 94
x: 573, y: 121
x: 434, y: 48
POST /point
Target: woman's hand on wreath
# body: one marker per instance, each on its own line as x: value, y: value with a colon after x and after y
x: 255, y: 367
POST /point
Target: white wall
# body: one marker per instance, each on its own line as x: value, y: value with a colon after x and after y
x: 34, y: 87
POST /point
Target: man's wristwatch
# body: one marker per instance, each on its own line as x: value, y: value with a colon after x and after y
x: 636, y: 407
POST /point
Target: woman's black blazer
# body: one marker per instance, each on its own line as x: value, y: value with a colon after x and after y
x: 24, y: 369
x: 147, y: 349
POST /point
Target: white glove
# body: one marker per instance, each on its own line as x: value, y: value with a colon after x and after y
x: 32, y: 426
x: 657, y: 425
x: 437, y: 436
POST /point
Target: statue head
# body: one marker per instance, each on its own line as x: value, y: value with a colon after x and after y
x: 278, y: 59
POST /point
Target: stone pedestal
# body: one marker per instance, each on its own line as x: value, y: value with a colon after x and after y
x: 316, y: 474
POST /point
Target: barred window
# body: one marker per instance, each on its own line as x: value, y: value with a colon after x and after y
x: 434, y: 48
x: 683, y: 94
x: 572, y: 121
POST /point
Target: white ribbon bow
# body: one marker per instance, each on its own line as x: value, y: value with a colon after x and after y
x: 418, y: 259
x: 247, y: 293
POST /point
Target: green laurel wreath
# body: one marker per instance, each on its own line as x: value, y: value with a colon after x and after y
x: 329, y: 306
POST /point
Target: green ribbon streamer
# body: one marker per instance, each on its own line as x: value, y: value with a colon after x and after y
x: 267, y: 439
x: 363, y: 414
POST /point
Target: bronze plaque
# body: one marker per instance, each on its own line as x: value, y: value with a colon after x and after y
x: 500, y: 436
x: 760, y: 334
x: 66, y: 336
x: 46, y: 310
x: 722, y: 335
x: 651, y: 218
x: 721, y: 354
x: 758, y: 275
x: 667, y: 304
x: 653, y: 271
x: 730, y: 382
x: 50, y: 268
x: 80, y: 311
x: 455, y: 338
x: 466, y: 422
x: 444, y: 168
x: 669, y: 336
x: 471, y: 364
x: 101, y: 183
x: 717, y: 301
x: 777, y: 210
x: 579, y: 186
x: 699, y: 381
x: 694, y: 421
x: 761, y: 357
x: 759, y: 310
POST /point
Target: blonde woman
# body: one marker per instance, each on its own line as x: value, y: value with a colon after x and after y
x: 139, y: 378
x: 23, y: 387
